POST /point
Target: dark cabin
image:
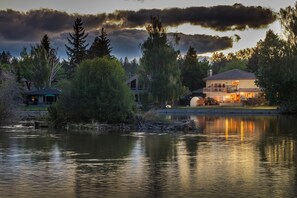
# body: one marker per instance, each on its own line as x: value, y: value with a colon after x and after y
x: 42, y: 96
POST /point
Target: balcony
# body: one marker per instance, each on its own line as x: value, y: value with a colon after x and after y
x: 224, y: 89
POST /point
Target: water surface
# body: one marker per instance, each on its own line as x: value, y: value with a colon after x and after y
x: 228, y: 156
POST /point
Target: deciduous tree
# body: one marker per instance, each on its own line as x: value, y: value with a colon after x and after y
x: 97, y: 92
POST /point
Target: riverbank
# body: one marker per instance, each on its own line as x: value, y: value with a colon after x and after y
x: 221, y: 110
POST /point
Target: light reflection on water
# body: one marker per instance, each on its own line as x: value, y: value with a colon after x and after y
x: 228, y: 156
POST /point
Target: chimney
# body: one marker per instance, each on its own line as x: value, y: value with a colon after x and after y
x: 210, y: 72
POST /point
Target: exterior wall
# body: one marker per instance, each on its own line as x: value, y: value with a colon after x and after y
x: 242, y: 83
x: 226, y: 90
x: 247, y: 84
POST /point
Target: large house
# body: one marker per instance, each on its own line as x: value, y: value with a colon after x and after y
x: 231, y: 86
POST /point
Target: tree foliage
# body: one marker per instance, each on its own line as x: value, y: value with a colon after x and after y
x: 218, y: 61
x: 40, y: 66
x: 100, y: 47
x: 192, y: 71
x: 159, y: 67
x: 5, y: 57
x: 277, y: 73
x: 45, y: 43
x: 77, y: 48
x: 234, y: 64
x: 10, y: 98
x: 130, y: 67
x: 288, y: 18
x: 97, y: 92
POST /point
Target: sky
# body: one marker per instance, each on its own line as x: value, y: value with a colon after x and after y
x: 208, y: 26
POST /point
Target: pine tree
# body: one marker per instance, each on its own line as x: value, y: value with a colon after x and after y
x: 45, y: 43
x: 76, y: 50
x: 100, y: 47
x: 193, y: 71
x: 5, y: 57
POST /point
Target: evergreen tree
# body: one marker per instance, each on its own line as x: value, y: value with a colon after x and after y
x: 101, y: 46
x: 76, y: 50
x: 130, y: 67
x: 5, y: 57
x: 193, y: 71
x: 219, y: 61
x: 159, y: 67
x: 45, y: 43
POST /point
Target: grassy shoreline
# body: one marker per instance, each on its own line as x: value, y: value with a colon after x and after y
x: 221, y: 110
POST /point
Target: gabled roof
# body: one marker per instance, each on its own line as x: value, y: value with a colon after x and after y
x: 45, y: 91
x: 134, y: 77
x: 234, y: 74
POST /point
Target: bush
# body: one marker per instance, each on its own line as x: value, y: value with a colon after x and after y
x: 258, y: 101
x: 97, y: 93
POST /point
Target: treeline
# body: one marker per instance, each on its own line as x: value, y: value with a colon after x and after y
x: 93, y: 81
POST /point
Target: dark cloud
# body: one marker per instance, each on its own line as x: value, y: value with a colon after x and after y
x: 29, y: 25
x: 34, y: 24
x: 18, y: 29
x: 220, y: 18
x: 127, y: 43
x: 203, y: 43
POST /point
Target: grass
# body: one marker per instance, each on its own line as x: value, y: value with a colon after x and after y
x: 231, y: 107
x: 34, y: 108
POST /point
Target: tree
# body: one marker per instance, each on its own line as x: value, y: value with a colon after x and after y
x: 100, y: 47
x: 45, y: 43
x: 130, y: 67
x: 97, y: 92
x: 218, y: 61
x: 253, y: 61
x: 39, y: 67
x: 193, y: 71
x: 234, y: 64
x: 159, y: 68
x: 288, y: 18
x: 273, y: 51
x: 10, y: 98
x: 5, y: 57
x: 76, y: 50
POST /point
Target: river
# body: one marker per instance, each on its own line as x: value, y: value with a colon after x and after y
x: 227, y: 156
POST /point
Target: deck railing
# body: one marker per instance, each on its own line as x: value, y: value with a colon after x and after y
x: 226, y: 89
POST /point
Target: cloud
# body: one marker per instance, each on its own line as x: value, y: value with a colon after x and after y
x: 127, y: 42
x: 203, y: 43
x: 220, y: 18
x: 20, y: 29
x: 34, y: 23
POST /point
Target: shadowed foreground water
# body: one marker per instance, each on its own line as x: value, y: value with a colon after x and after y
x: 237, y: 156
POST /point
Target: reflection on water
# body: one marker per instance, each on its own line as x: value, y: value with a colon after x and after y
x: 228, y: 156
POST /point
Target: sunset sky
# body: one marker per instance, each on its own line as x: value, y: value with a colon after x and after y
x: 208, y: 26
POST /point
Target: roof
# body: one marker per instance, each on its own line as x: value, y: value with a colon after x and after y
x: 234, y: 74
x: 198, y: 91
x: 134, y: 77
x: 45, y: 91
